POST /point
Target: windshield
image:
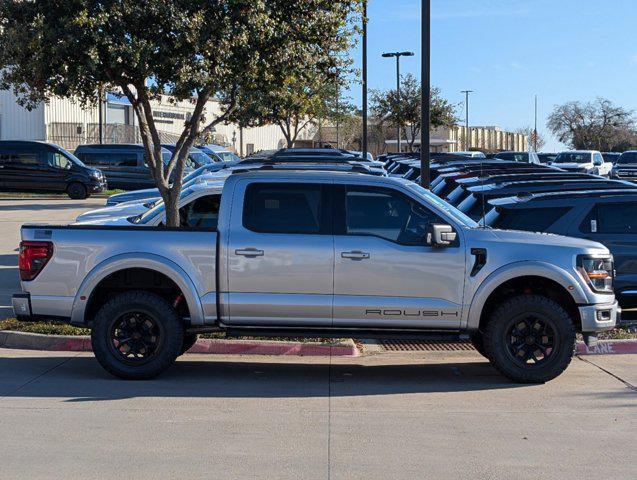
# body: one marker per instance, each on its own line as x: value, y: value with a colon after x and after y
x: 450, y: 210
x: 200, y: 159
x: 71, y: 157
x: 628, y: 158
x: 157, y: 209
x: 573, y: 157
x: 228, y: 156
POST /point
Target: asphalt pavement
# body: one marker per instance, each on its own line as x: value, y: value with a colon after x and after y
x: 385, y: 416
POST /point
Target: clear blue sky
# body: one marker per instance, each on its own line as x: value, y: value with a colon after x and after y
x: 509, y: 50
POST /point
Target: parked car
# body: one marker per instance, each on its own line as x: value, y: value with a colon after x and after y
x: 149, y: 194
x: 46, y: 167
x: 471, y: 154
x: 611, y: 157
x: 626, y: 167
x: 605, y: 216
x: 124, y: 165
x: 364, y: 256
x: 195, y: 209
x: 523, y: 157
x: 585, y: 161
x: 473, y: 205
x: 196, y: 157
x: 546, y: 158
x: 219, y: 153
x: 463, y: 185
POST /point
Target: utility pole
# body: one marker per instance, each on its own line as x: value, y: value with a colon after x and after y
x: 535, y: 128
x: 425, y: 39
x: 398, y: 112
x: 364, y: 139
x: 467, y: 135
x: 100, y: 114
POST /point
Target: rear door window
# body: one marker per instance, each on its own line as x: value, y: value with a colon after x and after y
x: 617, y: 218
x: 529, y: 219
x: 283, y: 208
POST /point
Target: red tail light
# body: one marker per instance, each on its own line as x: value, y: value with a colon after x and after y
x: 33, y: 258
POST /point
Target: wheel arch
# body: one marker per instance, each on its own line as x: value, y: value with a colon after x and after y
x: 562, y: 285
x: 125, y: 262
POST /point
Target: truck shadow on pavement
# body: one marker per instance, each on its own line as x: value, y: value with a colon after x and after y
x: 81, y: 379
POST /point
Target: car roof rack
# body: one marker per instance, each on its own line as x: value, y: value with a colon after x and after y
x: 299, y: 166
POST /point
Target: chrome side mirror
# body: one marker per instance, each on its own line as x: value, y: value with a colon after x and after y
x: 441, y: 235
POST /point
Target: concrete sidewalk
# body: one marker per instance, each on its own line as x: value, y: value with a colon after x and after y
x: 397, y: 415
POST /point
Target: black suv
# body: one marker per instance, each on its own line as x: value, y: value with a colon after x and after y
x: 40, y: 166
x: 605, y: 216
x: 626, y: 167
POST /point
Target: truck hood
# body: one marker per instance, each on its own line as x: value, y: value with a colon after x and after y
x: 570, y: 166
x: 137, y: 195
x: 121, y: 210
x: 107, y: 221
x: 535, y: 242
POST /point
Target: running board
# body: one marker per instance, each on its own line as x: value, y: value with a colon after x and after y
x: 319, y: 332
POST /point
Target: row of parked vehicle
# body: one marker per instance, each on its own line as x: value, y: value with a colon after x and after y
x: 307, y: 243
x: 46, y: 167
x: 514, y: 195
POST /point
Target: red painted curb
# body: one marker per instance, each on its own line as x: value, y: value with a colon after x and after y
x: 61, y: 343
x: 608, y: 347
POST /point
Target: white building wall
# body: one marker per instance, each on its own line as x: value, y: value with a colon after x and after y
x: 18, y: 123
x: 68, y: 123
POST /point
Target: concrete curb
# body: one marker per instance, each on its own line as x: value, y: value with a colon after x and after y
x: 77, y: 343
x: 608, y: 347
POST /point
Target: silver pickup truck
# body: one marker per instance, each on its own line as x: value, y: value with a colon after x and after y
x: 302, y: 253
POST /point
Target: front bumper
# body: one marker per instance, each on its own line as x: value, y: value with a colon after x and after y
x: 97, y: 186
x: 599, y: 317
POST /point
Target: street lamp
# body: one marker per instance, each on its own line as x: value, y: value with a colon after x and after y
x: 467, y: 137
x: 425, y: 92
x: 398, y: 55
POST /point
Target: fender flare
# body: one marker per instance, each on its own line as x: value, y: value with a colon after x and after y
x: 131, y: 260
x: 522, y: 269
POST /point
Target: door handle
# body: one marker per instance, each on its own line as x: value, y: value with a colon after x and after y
x: 249, y: 252
x: 355, y: 255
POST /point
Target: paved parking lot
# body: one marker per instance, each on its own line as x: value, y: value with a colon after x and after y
x: 381, y: 416
x: 389, y: 416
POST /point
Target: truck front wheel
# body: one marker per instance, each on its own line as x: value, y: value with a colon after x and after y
x: 136, y: 335
x: 530, y: 339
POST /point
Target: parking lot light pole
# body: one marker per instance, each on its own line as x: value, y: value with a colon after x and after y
x: 425, y: 92
x: 364, y: 139
x: 398, y: 55
x: 467, y: 137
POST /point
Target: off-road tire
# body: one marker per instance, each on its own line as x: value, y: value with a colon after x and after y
x: 76, y: 191
x: 189, y: 340
x: 546, y: 310
x: 163, y: 315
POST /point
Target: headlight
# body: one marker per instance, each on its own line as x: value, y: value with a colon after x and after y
x: 96, y: 175
x: 597, y: 272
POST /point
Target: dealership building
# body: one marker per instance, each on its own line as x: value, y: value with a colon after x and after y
x: 69, y: 124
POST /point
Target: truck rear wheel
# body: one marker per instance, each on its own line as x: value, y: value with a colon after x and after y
x: 530, y: 339
x: 136, y: 335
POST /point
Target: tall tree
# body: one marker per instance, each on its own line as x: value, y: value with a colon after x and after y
x: 190, y: 49
x: 598, y: 125
x: 388, y: 108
